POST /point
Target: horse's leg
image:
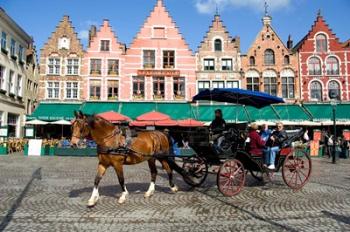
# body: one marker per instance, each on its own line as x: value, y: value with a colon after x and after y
x: 101, y: 170
x: 118, y: 167
x: 169, y: 171
x: 153, y: 168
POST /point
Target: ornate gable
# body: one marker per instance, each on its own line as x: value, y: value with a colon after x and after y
x: 217, y: 30
x: 320, y: 25
x: 159, y: 25
x: 63, y: 41
x: 105, y: 32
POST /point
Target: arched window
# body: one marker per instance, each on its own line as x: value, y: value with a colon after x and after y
x: 321, y: 43
x: 286, y: 60
x: 332, y: 65
x: 316, y: 90
x: 252, y: 61
x: 334, y: 90
x: 314, y: 66
x: 218, y: 45
x: 269, y: 57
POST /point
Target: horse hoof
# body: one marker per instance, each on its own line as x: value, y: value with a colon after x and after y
x: 92, y: 202
x: 174, y: 189
x: 122, y: 199
x: 149, y: 194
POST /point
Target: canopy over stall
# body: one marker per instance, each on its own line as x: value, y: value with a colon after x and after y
x: 238, y: 96
x: 114, y: 117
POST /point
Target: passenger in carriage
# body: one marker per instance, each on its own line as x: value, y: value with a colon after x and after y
x: 274, y: 144
x: 265, y: 132
x: 256, y: 144
x: 217, y: 127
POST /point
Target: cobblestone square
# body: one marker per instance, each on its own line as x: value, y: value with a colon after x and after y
x: 50, y: 194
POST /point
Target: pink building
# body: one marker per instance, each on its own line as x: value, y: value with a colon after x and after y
x: 102, y: 65
x: 159, y: 64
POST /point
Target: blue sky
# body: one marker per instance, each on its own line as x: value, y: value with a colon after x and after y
x: 242, y: 17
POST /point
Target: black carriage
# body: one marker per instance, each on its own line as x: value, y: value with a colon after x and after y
x: 234, y: 160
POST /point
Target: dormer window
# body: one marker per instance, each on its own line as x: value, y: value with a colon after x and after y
x: 252, y: 61
x: 104, y: 45
x: 321, y: 43
x: 218, y: 45
x: 159, y: 32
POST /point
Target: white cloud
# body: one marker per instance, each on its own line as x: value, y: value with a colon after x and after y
x: 209, y: 6
x: 83, y: 34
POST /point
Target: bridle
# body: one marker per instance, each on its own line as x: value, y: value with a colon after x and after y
x: 115, y: 132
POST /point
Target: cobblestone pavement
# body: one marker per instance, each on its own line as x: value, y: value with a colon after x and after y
x: 50, y: 194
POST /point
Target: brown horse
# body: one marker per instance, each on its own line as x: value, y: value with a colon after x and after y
x: 147, y: 146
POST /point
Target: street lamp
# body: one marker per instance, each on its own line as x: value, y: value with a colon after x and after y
x: 334, y: 108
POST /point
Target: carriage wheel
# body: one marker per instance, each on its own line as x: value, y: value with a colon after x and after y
x: 231, y: 178
x: 296, y: 169
x: 196, y: 170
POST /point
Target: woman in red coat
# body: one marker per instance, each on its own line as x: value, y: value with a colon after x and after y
x: 256, y: 143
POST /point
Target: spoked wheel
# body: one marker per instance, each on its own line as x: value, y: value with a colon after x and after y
x: 296, y: 169
x: 196, y: 170
x: 231, y: 178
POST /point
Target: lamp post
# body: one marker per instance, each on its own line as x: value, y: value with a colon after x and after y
x: 334, y: 108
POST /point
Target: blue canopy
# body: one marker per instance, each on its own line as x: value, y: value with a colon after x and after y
x: 238, y: 96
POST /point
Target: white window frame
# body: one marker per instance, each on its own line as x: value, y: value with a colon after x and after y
x: 67, y: 65
x: 54, y: 64
x: 72, y: 90
x: 53, y: 87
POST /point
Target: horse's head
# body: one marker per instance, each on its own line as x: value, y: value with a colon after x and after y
x: 80, y: 128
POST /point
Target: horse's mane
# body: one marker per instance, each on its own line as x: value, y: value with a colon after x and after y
x: 92, y: 119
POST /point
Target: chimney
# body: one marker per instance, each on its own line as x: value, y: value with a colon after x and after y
x: 290, y: 42
x: 92, y: 33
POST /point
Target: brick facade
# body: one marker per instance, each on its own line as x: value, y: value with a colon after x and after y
x: 218, y: 58
x: 63, y: 45
x: 103, y: 64
x: 159, y: 64
x: 270, y: 66
x: 324, y: 64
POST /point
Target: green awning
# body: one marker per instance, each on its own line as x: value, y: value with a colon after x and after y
x: 324, y: 112
x: 54, y: 111
x: 264, y: 114
x: 291, y: 112
x: 231, y: 113
x: 177, y: 111
x: 135, y: 109
x: 99, y: 107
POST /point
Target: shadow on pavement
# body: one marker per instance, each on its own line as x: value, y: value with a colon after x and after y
x: 8, y: 217
x: 337, y: 217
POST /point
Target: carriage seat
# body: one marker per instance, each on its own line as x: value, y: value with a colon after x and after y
x: 285, y: 151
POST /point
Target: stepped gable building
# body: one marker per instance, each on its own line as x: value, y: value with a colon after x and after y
x: 18, y: 75
x: 60, y: 65
x: 324, y: 64
x: 218, y: 59
x: 270, y: 66
x: 159, y: 64
x: 102, y: 64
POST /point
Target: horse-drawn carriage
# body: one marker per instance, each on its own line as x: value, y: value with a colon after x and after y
x: 234, y: 161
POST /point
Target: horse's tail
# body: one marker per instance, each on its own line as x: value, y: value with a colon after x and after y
x: 173, y: 165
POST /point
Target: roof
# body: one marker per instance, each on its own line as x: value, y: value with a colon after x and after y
x: 12, y: 24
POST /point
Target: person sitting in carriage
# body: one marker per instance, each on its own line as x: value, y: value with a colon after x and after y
x: 274, y: 145
x: 256, y: 143
x: 217, y: 127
